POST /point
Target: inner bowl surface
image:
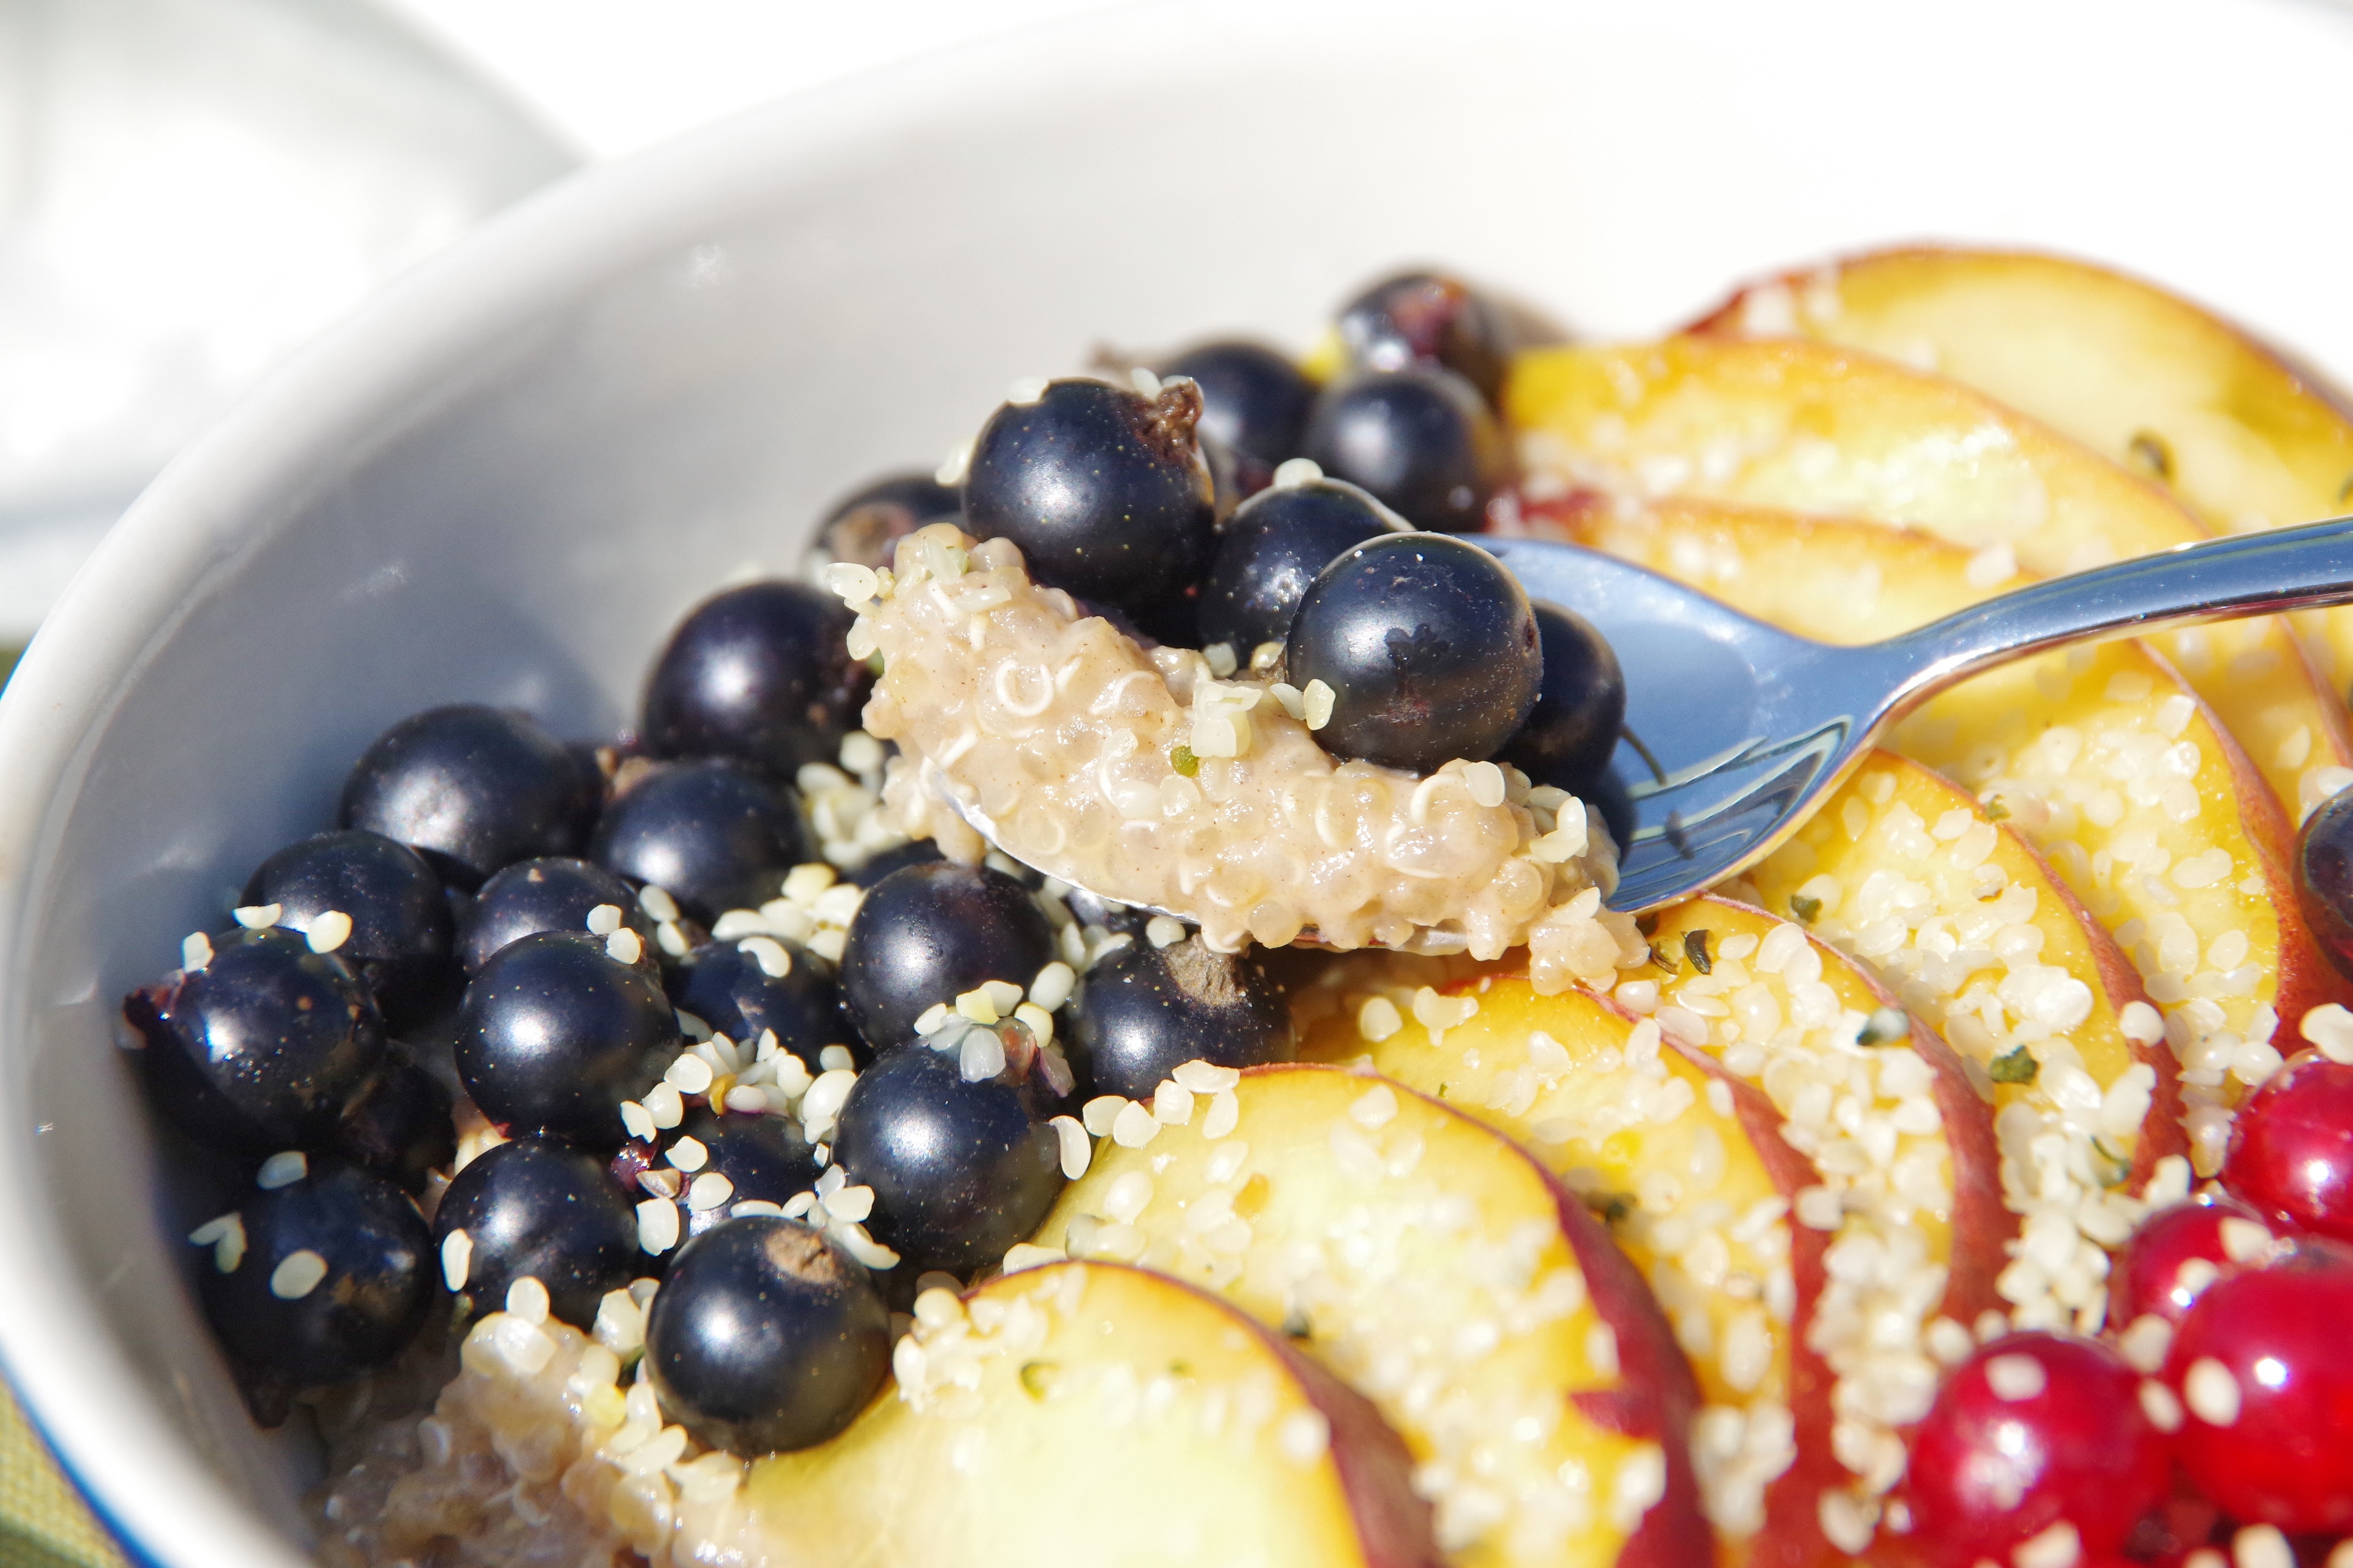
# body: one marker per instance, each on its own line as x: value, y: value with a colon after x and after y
x: 508, y: 476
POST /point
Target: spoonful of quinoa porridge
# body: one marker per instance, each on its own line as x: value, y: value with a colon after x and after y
x: 1357, y: 761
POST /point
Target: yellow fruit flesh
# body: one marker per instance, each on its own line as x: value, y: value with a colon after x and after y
x: 1664, y: 1161
x: 1105, y: 1414
x: 1419, y: 1256
x: 2138, y: 374
x: 1809, y: 427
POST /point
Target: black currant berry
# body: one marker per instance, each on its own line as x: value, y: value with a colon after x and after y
x: 927, y: 934
x: 1580, y: 705
x: 1146, y: 1011
x: 2324, y: 877
x: 540, y: 1210
x: 554, y: 1034
x: 1429, y: 648
x: 714, y: 835
x: 1253, y: 399
x: 716, y: 1160
x: 328, y: 1275
x: 1420, y: 439
x: 915, y: 852
x: 1271, y: 548
x: 960, y: 1171
x: 472, y: 789
x: 767, y: 982
x: 760, y: 673
x: 262, y: 1047
x: 1427, y: 318
x: 866, y: 526
x: 554, y: 893
x: 766, y: 1337
x: 398, y: 1125
x: 399, y: 939
x: 1104, y: 491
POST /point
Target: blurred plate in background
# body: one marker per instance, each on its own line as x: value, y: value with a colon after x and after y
x: 189, y: 189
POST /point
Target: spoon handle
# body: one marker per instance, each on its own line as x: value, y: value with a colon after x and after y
x: 2218, y: 580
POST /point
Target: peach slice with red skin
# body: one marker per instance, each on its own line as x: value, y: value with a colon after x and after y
x: 2133, y: 371
x: 1084, y: 1409
x: 1687, y: 1167
x: 2105, y: 763
x: 1810, y: 427
x: 1443, y: 1273
x: 1910, y: 1191
x: 1904, y: 871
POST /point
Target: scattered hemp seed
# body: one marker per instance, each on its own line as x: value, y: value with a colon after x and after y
x: 1037, y: 1378
x: 1695, y: 948
x: 1664, y: 960
x: 2014, y: 1067
x: 1182, y: 759
x: 1886, y: 1024
x: 1996, y: 810
x: 1804, y: 907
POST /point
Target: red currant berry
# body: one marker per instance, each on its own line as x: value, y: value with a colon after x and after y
x: 2177, y: 1252
x: 2292, y: 1146
x: 2266, y: 1390
x: 2035, y: 1433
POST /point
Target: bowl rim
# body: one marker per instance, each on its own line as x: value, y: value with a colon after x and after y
x: 228, y: 487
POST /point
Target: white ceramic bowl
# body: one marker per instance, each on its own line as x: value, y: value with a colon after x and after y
x: 507, y: 477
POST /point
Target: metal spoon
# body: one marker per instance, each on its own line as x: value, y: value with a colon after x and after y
x: 1740, y: 728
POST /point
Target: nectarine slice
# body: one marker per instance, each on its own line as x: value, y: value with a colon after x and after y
x: 1687, y: 1167
x: 1910, y: 1190
x: 1903, y: 870
x: 1083, y: 1412
x: 2133, y: 371
x: 1445, y: 1275
x: 1811, y: 427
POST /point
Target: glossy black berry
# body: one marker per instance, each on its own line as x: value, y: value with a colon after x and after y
x: 1429, y: 648
x: 554, y: 893
x: 915, y: 852
x: 2324, y: 877
x: 1105, y: 490
x: 1252, y: 399
x: 554, y: 1034
x: 398, y: 1124
x: 1271, y: 548
x: 737, y: 989
x: 716, y: 1160
x: 471, y: 788
x: 262, y: 1048
x: 542, y: 1210
x: 866, y: 526
x: 399, y: 939
x: 760, y: 673
x: 330, y: 1279
x: 1235, y: 475
x: 1580, y: 705
x: 1146, y: 1011
x: 1420, y: 439
x: 715, y: 836
x: 766, y: 1337
x: 1427, y: 318
x: 960, y: 1171
x: 927, y: 934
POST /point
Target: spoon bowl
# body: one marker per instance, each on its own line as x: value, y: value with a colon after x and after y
x: 1737, y: 729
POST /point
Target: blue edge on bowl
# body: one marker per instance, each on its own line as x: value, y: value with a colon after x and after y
x: 131, y: 1548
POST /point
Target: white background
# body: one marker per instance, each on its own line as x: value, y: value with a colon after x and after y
x: 614, y: 75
